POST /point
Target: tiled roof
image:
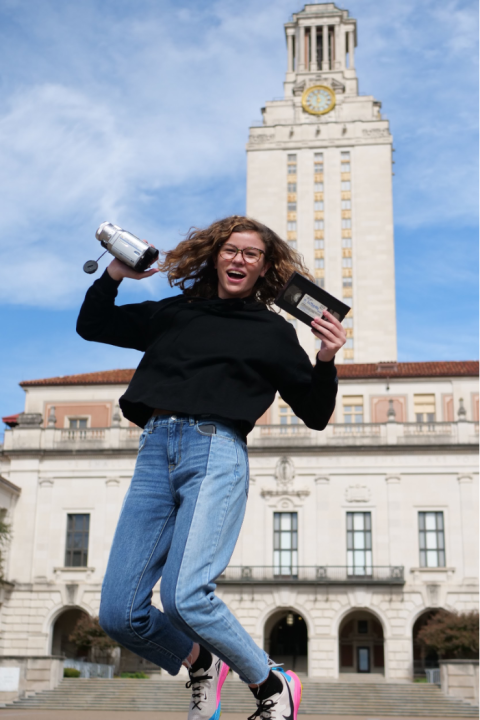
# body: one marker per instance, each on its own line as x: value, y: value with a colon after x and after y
x: 11, y: 420
x: 440, y: 368
x: 363, y: 371
x: 104, y: 377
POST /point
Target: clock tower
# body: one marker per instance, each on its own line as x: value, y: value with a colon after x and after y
x: 319, y: 172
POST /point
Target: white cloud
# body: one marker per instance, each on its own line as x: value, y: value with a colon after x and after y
x: 111, y: 108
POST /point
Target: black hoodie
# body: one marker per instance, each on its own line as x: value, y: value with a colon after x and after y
x: 220, y: 357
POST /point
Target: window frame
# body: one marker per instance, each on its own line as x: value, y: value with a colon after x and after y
x: 367, y: 543
x: 278, y: 561
x: 423, y: 532
x: 71, y: 531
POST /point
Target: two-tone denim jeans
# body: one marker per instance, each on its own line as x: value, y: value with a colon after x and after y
x: 180, y: 522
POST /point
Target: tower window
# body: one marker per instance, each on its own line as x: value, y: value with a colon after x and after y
x: 347, y: 262
x: 292, y: 158
x: 347, y: 282
x: 347, y: 242
x: 318, y: 157
x: 318, y: 187
x: 318, y: 205
x: 345, y: 156
x: 292, y: 187
x: 292, y: 169
x: 345, y: 185
x: 319, y: 244
x: 319, y: 224
x: 345, y: 167
x: 291, y: 226
x: 346, y: 224
x: 346, y: 204
x: 318, y: 167
x: 292, y: 207
x: 320, y: 282
x: 319, y: 263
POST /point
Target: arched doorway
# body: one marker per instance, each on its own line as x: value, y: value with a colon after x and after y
x: 422, y: 657
x: 62, y: 629
x: 361, y: 644
x: 286, y: 640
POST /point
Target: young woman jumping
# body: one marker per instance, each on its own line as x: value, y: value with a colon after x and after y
x: 214, y: 358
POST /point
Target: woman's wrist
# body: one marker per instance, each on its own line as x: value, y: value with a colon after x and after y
x: 114, y: 275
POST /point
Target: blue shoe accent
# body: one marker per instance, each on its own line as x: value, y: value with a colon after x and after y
x: 216, y: 714
x: 281, y: 670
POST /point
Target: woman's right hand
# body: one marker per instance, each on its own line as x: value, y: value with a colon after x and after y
x: 118, y: 270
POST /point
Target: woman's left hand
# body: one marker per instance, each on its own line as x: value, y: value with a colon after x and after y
x: 332, y: 334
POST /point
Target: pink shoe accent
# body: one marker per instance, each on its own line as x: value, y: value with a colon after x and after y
x: 297, y: 693
x: 223, y: 676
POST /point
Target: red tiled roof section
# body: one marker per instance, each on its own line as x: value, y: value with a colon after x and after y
x: 105, y: 377
x: 352, y: 371
x: 408, y: 369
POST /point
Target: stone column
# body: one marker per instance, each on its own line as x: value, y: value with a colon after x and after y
x: 290, y: 52
x: 42, y: 557
x: 469, y: 528
x: 394, y: 490
x: 301, y: 49
x: 322, y: 513
x: 351, y: 49
x: 325, y: 65
x: 313, y: 46
x: 111, y: 515
x: 338, y: 65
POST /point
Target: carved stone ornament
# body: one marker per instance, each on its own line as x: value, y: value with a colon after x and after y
x: 262, y: 138
x: 298, y: 88
x: 357, y: 493
x: 284, y: 472
x: 337, y: 86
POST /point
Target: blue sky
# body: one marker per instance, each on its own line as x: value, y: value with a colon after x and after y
x: 138, y: 112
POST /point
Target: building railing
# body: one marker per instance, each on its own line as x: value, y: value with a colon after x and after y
x: 89, y: 669
x: 313, y: 574
x: 37, y: 437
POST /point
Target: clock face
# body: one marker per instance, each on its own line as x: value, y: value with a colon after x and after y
x: 318, y: 100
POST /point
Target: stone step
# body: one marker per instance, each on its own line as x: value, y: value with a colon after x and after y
x: 385, y: 699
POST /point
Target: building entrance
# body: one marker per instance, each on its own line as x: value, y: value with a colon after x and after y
x: 63, y: 628
x: 361, y: 644
x: 286, y: 640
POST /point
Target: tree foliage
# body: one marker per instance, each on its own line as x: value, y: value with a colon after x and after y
x: 89, y: 636
x: 451, y: 634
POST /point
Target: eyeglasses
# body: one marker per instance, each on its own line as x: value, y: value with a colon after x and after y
x: 251, y: 255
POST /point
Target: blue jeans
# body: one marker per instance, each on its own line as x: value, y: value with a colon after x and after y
x: 180, y: 522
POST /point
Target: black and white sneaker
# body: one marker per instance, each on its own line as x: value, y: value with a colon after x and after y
x: 282, y: 704
x: 206, y: 687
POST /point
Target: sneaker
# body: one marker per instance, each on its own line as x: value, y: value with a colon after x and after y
x: 281, y: 705
x: 206, y: 689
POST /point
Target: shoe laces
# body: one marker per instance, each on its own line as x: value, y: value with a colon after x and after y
x: 264, y: 710
x: 272, y: 664
x: 196, y: 683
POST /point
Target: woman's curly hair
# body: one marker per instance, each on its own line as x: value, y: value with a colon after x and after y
x: 191, y: 265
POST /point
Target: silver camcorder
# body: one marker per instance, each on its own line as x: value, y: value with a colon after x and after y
x: 127, y: 248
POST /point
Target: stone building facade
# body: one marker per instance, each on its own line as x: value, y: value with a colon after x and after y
x: 352, y: 536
